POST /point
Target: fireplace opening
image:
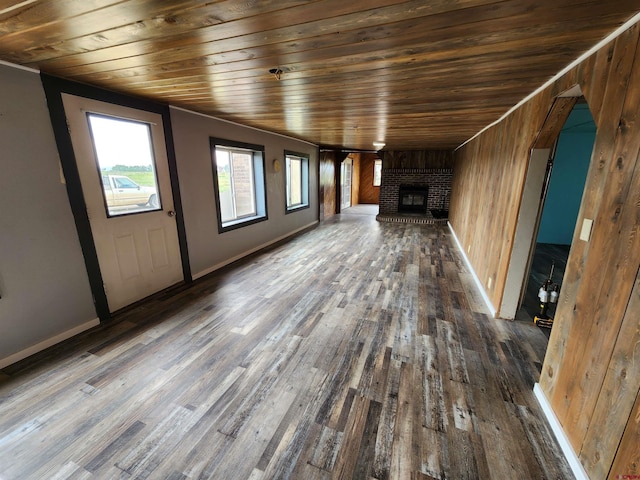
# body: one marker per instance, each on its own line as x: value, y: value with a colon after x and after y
x: 413, y: 198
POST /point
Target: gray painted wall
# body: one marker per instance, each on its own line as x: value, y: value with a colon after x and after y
x: 209, y: 249
x: 43, y: 280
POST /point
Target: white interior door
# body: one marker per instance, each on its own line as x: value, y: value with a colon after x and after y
x: 122, y: 162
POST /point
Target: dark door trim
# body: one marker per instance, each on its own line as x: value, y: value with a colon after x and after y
x: 54, y: 87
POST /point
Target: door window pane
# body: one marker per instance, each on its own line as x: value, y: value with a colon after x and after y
x: 126, y: 164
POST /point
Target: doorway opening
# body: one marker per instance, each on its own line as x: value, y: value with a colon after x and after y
x: 562, y: 192
x: 360, y: 180
x: 346, y: 170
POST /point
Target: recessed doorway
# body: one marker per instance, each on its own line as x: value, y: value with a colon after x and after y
x: 562, y: 196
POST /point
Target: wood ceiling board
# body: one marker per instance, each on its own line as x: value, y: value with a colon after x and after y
x: 434, y: 73
x: 336, y: 30
x: 417, y: 38
x: 363, y: 57
x: 176, y: 33
x: 369, y: 37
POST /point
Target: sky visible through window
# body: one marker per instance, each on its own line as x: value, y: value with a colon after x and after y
x: 121, y: 142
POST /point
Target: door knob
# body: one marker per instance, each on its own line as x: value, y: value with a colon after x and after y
x: 171, y: 213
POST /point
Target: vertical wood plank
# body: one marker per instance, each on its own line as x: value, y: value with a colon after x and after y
x: 368, y: 193
x: 615, y: 401
x: 627, y: 460
x: 327, y: 185
x: 594, y: 80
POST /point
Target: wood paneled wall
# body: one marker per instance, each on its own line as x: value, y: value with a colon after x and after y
x: 327, y: 190
x: 591, y: 374
x: 368, y: 193
x: 488, y: 181
x: 424, y: 159
x: 355, y: 178
x: 622, y: 379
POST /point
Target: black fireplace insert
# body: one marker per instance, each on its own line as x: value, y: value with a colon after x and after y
x: 413, y: 198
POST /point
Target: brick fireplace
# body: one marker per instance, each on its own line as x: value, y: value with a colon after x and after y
x: 415, y: 185
x: 437, y: 183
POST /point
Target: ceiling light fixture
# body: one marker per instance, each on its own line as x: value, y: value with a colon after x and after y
x: 276, y: 72
x: 379, y: 145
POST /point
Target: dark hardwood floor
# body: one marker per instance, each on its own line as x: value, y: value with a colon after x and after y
x: 357, y: 350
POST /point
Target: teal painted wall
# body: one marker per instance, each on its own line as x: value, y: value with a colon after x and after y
x: 568, y: 177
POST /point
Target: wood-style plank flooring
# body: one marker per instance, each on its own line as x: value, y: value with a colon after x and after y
x: 357, y: 350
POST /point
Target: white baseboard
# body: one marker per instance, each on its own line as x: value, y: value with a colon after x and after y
x: 218, y: 266
x: 556, y: 427
x: 485, y: 297
x: 16, y: 357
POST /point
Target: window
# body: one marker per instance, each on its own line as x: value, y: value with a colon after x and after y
x: 239, y: 183
x: 377, y: 173
x: 126, y: 164
x: 297, y: 184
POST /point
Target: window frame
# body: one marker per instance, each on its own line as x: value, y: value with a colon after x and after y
x: 304, y: 181
x: 259, y: 183
x: 377, y: 165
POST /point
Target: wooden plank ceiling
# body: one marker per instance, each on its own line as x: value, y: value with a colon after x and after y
x: 414, y: 74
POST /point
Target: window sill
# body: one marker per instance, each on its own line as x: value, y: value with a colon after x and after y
x: 296, y: 208
x: 243, y: 222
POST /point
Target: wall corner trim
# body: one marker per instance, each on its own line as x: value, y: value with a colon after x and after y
x: 21, y: 355
x: 485, y: 297
x: 573, y: 460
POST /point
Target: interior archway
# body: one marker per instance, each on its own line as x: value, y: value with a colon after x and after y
x: 565, y: 140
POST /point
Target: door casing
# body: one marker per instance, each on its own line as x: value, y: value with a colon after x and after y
x: 54, y: 87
